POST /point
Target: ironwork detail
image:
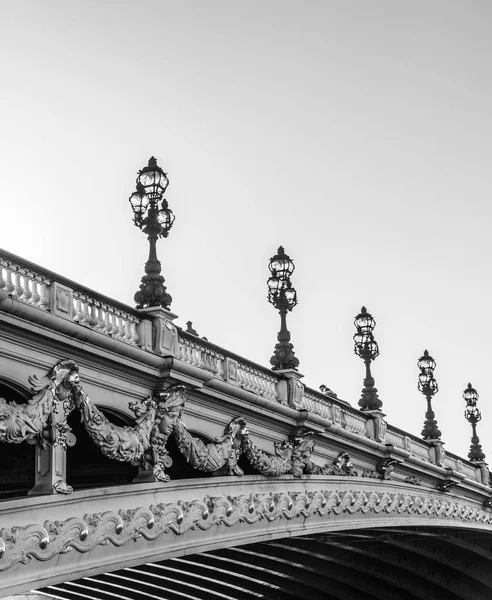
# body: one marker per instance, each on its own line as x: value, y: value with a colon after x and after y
x: 473, y: 416
x: 367, y: 348
x: 428, y: 386
x: 283, y: 297
x: 152, y: 215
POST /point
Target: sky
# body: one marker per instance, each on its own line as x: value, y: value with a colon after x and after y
x: 355, y: 134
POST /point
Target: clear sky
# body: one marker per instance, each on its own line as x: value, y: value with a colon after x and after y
x: 357, y: 134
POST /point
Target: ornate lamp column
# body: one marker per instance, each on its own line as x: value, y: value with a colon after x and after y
x: 476, y: 454
x: 367, y: 348
x: 473, y: 416
x: 152, y: 215
x: 284, y: 297
x: 428, y: 386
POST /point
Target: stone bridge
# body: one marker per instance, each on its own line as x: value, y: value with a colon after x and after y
x: 139, y: 460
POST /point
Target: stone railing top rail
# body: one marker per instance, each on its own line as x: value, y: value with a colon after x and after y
x: 17, y: 261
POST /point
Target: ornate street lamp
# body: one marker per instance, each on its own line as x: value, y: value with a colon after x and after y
x: 473, y: 416
x: 428, y: 386
x: 153, y: 216
x: 283, y: 297
x: 367, y: 348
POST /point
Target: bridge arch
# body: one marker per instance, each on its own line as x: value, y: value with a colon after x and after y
x: 124, y: 528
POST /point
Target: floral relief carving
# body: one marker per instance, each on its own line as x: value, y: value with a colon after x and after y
x: 43, y: 542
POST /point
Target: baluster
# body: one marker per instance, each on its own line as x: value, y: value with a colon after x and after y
x: 189, y: 354
x: 249, y: 380
x: 261, y: 385
x: 240, y: 376
x: 17, y: 291
x: 3, y: 267
x: 114, y: 324
x: 133, y: 332
x: 108, y: 325
x: 212, y: 363
x: 10, y: 284
x: 121, y: 326
x: 35, y: 291
x: 78, y: 315
x: 220, y: 367
x: 86, y: 312
x: 93, y: 320
x: 98, y: 316
x: 44, y: 301
x: 254, y: 381
x: 128, y: 334
x: 26, y: 294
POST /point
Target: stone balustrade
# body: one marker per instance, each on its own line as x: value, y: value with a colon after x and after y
x: 36, y: 286
x: 193, y: 352
x: 24, y: 284
x: 395, y: 438
x: 257, y: 380
x: 317, y: 403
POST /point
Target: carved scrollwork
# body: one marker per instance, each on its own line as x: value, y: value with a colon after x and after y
x: 342, y: 465
x: 267, y: 464
x: 122, y: 443
x: 219, y: 457
x: 23, y: 422
x: 21, y: 544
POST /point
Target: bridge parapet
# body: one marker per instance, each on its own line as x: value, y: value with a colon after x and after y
x: 34, y: 285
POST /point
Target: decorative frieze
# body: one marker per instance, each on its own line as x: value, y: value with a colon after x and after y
x: 84, y: 533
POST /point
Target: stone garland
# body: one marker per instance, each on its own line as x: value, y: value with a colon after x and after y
x: 43, y: 542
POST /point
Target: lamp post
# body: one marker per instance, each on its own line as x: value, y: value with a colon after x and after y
x: 473, y: 416
x: 153, y: 216
x: 428, y: 386
x: 367, y: 348
x: 283, y: 297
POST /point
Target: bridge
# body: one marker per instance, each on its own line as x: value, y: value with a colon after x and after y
x: 140, y: 460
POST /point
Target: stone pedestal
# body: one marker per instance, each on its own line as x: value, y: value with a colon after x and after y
x: 290, y: 388
x: 160, y: 334
x: 376, y: 425
x: 482, y: 472
x: 437, y: 454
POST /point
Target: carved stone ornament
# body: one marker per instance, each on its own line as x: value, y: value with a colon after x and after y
x: 122, y: 443
x: 24, y: 422
x: 342, y: 465
x: 47, y: 540
x: 169, y: 406
x: 413, y: 480
x: 264, y: 463
x: 212, y: 457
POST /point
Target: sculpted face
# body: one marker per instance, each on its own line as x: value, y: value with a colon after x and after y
x: 169, y: 417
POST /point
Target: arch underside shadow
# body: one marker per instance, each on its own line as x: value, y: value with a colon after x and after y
x: 408, y: 563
